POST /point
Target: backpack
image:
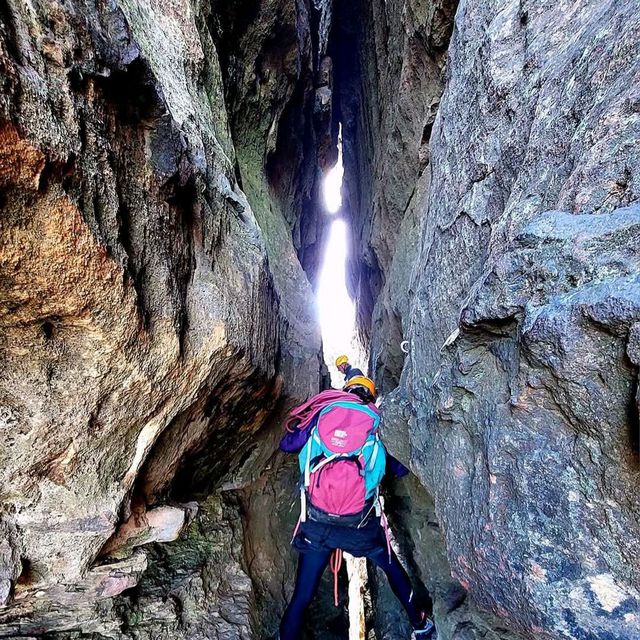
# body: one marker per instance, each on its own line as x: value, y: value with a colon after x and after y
x: 343, y: 460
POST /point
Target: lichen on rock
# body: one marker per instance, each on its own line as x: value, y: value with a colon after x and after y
x: 512, y: 275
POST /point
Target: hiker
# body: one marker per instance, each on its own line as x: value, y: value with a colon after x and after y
x: 342, y: 462
x: 342, y: 362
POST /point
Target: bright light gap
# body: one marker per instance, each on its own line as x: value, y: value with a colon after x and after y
x: 337, y: 322
x: 335, y: 307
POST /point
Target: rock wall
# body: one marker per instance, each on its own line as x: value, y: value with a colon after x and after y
x: 420, y: 542
x: 155, y: 315
x: 159, y: 176
x: 389, y: 59
x: 510, y: 265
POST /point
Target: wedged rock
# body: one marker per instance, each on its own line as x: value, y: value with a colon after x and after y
x: 162, y: 524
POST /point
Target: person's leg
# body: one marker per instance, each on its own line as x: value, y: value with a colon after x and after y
x: 310, y: 569
x: 401, y: 586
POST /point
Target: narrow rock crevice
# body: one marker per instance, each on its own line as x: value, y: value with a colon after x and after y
x: 161, y: 232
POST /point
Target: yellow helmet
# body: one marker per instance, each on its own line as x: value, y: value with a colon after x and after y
x: 341, y: 360
x: 361, y: 381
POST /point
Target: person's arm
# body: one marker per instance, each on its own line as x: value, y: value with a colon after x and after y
x: 395, y: 467
x: 351, y: 372
x: 293, y: 441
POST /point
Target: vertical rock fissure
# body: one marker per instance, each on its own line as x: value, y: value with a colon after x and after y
x: 337, y: 324
x: 381, y: 205
x: 161, y: 237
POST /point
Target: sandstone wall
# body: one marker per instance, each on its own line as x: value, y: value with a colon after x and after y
x: 155, y: 315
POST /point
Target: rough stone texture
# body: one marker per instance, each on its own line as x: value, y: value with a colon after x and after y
x: 517, y: 403
x: 420, y: 543
x: 149, y: 327
x: 229, y: 576
x: 271, y: 53
x: 159, y: 166
x: 196, y: 587
x: 389, y: 58
x: 10, y: 565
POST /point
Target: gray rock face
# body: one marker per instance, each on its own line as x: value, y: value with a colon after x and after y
x: 389, y: 67
x: 154, y: 314
x: 10, y: 565
x: 515, y: 280
x: 421, y: 545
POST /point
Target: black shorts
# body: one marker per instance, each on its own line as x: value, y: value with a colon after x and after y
x: 314, y: 536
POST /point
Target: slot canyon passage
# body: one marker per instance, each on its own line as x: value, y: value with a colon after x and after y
x: 162, y: 231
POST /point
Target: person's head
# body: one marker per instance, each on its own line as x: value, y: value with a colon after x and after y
x: 362, y: 387
x: 342, y: 362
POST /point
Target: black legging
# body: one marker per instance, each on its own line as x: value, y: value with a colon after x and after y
x: 311, y: 566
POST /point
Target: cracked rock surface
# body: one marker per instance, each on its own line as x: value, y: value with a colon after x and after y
x: 155, y: 313
x: 513, y: 273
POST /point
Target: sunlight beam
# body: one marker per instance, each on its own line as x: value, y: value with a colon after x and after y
x: 337, y: 317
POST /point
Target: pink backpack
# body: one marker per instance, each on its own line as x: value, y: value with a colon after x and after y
x: 343, y: 461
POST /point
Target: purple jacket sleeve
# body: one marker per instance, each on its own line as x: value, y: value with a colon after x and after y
x: 395, y: 467
x: 293, y: 441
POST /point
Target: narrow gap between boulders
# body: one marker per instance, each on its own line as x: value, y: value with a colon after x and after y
x: 336, y: 312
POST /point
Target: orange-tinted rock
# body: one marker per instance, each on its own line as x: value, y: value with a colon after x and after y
x: 146, y: 334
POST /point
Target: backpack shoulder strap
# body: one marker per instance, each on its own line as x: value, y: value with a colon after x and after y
x: 314, y: 439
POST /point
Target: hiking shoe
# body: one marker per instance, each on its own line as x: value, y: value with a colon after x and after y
x: 426, y: 631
